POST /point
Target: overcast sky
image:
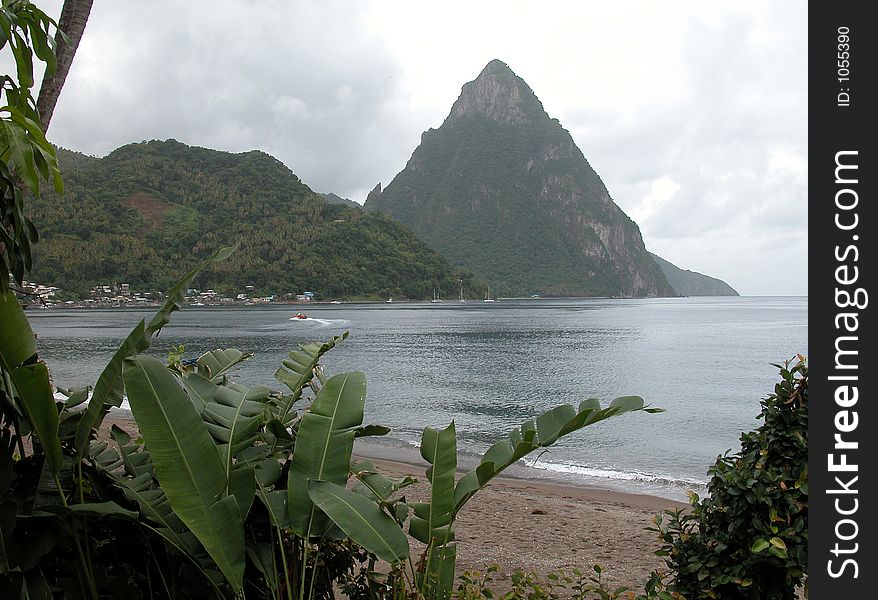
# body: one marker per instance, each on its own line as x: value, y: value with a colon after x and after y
x: 693, y: 113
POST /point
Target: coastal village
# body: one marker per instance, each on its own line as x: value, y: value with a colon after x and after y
x: 118, y: 295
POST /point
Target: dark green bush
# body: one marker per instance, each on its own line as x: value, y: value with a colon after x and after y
x: 749, y: 538
x: 574, y: 584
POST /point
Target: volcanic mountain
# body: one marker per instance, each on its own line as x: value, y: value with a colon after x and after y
x: 501, y: 189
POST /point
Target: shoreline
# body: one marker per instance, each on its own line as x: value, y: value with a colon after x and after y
x: 537, y: 525
x: 574, y: 491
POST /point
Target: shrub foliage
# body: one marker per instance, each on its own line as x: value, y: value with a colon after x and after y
x: 749, y: 538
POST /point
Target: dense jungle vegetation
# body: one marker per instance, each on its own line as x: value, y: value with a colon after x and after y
x: 138, y: 214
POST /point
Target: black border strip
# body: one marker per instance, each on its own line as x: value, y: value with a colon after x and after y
x: 842, y: 232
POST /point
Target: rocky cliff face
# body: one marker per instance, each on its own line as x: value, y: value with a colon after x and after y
x: 502, y: 189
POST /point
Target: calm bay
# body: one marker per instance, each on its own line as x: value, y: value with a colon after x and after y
x: 489, y: 367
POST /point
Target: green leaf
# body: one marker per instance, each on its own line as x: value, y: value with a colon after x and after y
x: 242, y: 485
x: 778, y: 543
x: 371, y: 430
x: 361, y: 520
x: 376, y: 486
x: 268, y: 471
x: 187, y: 463
x: 549, y: 427
x: 76, y: 397
x: 298, y: 371
x: 21, y: 154
x: 758, y: 546
x: 212, y: 365
x: 35, y: 394
x: 323, y: 446
x: 17, y: 342
x: 275, y: 503
x: 201, y: 390
x: 233, y: 421
x: 432, y: 521
x: 439, y: 571
x: 103, y: 509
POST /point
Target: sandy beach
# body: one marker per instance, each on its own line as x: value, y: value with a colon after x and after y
x: 539, y: 526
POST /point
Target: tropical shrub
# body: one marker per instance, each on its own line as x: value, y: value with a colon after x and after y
x: 574, y: 584
x: 749, y: 538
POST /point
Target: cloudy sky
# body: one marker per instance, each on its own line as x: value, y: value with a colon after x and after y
x: 693, y: 113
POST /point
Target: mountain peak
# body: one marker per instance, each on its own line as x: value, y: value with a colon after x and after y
x: 502, y: 190
x: 497, y: 67
x: 499, y: 94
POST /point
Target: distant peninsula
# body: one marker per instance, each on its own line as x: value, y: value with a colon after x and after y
x: 691, y: 283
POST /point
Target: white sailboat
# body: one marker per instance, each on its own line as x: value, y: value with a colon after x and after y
x: 436, y: 298
x: 488, y: 295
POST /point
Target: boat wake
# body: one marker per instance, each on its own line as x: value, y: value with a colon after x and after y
x: 321, y: 321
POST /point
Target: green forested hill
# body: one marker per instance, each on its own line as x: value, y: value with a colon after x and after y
x: 147, y: 212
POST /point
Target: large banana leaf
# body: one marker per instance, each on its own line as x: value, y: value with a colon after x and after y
x: 214, y: 364
x: 35, y: 394
x: 437, y: 577
x: 108, y: 389
x: 16, y: 337
x: 30, y: 378
x: 375, y: 486
x: 200, y: 389
x: 361, y: 520
x: 432, y: 520
x: 298, y: 371
x: 187, y: 463
x: 549, y: 426
x: 233, y: 419
x: 137, y: 482
x: 323, y: 447
x: 135, y: 459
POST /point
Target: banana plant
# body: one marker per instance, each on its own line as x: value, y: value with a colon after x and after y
x: 432, y: 523
x: 324, y: 444
x: 60, y: 438
x: 25, y: 390
x: 187, y: 463
x: 530, y: 436
x: 299, y: 371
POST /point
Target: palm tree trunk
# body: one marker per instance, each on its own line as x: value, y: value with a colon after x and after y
x: 74, y: 16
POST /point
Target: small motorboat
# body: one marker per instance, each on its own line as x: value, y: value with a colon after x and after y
x: 300, y: 316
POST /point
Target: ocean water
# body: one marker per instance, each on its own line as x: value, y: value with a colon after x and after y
x: 490, y: 367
